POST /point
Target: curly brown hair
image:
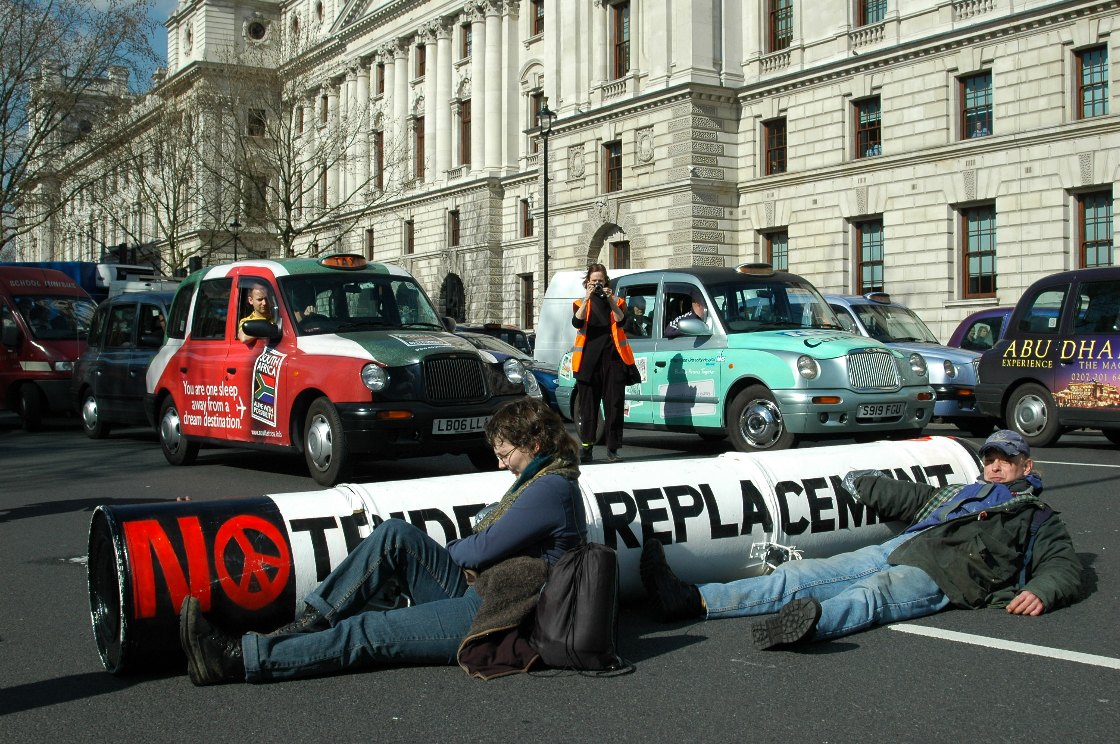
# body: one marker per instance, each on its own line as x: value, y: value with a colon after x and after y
x: 592, y: 269
x: 527, y: 422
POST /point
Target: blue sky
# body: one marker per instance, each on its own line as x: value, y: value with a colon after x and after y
x: 160, y: 13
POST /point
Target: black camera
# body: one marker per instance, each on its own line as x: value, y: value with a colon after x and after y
x: 598, y: 290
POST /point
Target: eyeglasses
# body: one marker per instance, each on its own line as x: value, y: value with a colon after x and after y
x: 505, y: 458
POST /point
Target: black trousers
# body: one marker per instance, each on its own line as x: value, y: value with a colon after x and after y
x: 608, y: 387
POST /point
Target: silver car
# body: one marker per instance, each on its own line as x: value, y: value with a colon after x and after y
x: 952, y: 371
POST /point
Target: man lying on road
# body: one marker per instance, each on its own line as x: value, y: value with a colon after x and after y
x: 991, y: 543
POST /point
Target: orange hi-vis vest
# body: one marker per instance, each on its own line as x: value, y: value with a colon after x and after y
x: 620, y: 341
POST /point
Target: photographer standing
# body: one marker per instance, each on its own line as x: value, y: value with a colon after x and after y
x: 599, y: 362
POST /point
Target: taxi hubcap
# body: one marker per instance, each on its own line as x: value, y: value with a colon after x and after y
x: 1031, y: 415
x: 89, y: 412
x: 169, y: 430
x: 762, y: 423
x: 319, y: 442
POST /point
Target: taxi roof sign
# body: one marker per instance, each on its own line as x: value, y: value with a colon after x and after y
x: 346, y: 261
x: 757, y: 269
x: 881, y: 297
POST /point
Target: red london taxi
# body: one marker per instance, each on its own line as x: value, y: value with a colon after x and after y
x: 344, y: 357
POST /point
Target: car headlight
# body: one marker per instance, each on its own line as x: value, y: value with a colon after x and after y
x: 532, y: 387
x: 807, y: 367
x: 918, y: 364
x: 950, y: 369
x: 515, y: 371
x: 63, y: 366
x: 375, y: 377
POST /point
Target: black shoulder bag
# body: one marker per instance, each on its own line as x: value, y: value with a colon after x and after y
x: 576, y: 624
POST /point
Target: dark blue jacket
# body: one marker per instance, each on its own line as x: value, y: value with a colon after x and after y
x: 546, y: 521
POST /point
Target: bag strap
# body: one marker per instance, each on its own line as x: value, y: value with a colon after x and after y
x: 1040, y: 515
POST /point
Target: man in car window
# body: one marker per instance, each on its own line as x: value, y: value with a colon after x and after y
x: 258, y: 303
x: 698, y: 311
x: 990, y: 543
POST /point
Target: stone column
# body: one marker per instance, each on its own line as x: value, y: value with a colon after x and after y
x: 478, y: 77
x: 512, y: 124
x: 494, y: 123
x: 440, y: 106
x: 345, y: 134
x: 600, y: 44
x: 432, y: 64
x: 399, y: 144
x: 362, y: 123
x: 331, y: 149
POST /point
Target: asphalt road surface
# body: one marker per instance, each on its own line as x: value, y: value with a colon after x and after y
x: 958, y: 676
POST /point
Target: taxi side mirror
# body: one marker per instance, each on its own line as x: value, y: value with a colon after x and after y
x: 449, y: 323
x: 693, y: 327
x: 262, y: 329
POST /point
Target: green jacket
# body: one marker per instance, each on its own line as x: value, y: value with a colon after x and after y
x: 977, y: 561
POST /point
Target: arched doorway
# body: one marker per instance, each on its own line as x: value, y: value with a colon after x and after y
x: 453, y: 298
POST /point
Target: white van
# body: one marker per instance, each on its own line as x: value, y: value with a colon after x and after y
x: 555, y: 332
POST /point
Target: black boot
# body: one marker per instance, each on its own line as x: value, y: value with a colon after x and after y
x: 676, y: 599
x: 310, y: 621
x: 794, y: 623
x: 586, y: 456
x: 213, y: 656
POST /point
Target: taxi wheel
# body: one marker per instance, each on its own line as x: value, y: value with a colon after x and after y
x: 324, y: 443
x: 1112, y: 435
x: 755, y: 422
x: 94, y: 426
x: 176, y: 448
x: 30, y: 407
x: 484, y: 460
x: 1032, y: 413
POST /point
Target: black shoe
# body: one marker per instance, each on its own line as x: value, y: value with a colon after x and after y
x: 213, y: 656
x: 794, y: 623
x: 586, y: 456
x: 613, y: 456
x: 676, y: 599
x: 310, y: 621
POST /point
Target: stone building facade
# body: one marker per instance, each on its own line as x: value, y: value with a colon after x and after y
x: 949, y: 152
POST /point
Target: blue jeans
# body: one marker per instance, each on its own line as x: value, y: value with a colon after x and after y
x: 856, y: 590
x: 428, y: 631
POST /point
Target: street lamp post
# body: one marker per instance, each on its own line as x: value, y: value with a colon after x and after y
x: 235, y: 230
x: 545, y: 118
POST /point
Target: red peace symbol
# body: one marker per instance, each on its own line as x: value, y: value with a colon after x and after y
x: 255, y: 562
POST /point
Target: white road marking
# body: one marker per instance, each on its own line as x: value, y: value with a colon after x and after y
x: 1022, y: 648
x: 1080, y: 464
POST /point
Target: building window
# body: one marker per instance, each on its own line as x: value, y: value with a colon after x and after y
x: 465, y: 41
x: 872, y: 11
x: 323, y: 188
x: 1095, y: 221
x: 409, y: 237
x: 774, y: 139
x: 620, y: 38
x: 421, y: 60
x: 324, y: 108
x: 620, y: 254
x: 453, y: 227
x: 526, y: 219
x: 869, y: 256
x: 536, y: 103
x: 976, y: 105
x: 612, y: 166
x: 369, y: 243
x: 868, y: 116
x: 379, y: 78
x: 1092, y: 82
x: 379, y: 159
x: 465, y: 132
x: 776, y: 246
x: 978, y: 228
x: 299, y: 119
x: 418, y: 135
x: 780, y: 25
x: 527, y: 300
x: 536, y: 17
x: 256, y: 122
